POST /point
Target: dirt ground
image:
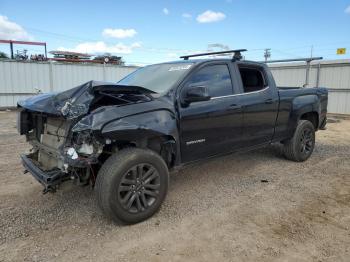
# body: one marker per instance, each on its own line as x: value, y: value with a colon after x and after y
x: 219, y: 210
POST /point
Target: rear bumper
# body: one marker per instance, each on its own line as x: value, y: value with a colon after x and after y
x: 49, y: 179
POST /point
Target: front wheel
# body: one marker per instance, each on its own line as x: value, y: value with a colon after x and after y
x: 300, y: 147
x: 131, y: 185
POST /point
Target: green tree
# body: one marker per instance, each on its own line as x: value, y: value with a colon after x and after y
x: 3, y: 55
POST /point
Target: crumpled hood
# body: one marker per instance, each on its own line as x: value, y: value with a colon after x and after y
x: 75, y: 102
x: 97, y: 119
x: 40, y: 103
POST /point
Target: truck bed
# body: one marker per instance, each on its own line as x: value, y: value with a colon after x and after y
x: 294, y: 102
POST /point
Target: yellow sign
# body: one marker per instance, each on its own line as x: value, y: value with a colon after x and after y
x: 341, y: 51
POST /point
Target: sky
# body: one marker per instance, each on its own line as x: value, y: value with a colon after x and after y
x: 146, y: 31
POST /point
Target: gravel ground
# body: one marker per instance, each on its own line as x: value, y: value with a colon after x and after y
x: 253, y: 206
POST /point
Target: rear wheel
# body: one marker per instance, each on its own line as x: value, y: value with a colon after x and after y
x: 131, y: 185
x: 300, y: 147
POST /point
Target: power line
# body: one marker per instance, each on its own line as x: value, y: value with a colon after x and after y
x: 151, y: 49
x: 78, y: 39
x: 287, y: 53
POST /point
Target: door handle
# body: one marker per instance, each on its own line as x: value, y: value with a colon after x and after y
x: 268, y: 101
x: 235, y: 106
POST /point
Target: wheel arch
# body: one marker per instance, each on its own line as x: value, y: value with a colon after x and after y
x: 305, y: 107
x: 311, y: 116
x: 153, y: 130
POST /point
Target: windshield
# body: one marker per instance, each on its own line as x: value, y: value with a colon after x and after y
x: 158, y: 78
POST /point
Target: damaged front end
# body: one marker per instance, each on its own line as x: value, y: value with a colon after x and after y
x: 58, y: 152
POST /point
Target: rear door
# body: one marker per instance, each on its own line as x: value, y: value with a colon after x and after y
x: 211, y: 127
x: 260, y: 105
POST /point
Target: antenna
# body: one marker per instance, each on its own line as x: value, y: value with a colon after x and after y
x: 236, y: 54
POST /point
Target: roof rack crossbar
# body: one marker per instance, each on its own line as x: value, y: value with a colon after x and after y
x: 237, y: 54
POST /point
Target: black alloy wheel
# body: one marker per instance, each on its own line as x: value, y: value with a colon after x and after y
x: 139, y: 188
x: 300, y: 147
x: 306, y: 141
x: 131, y: 185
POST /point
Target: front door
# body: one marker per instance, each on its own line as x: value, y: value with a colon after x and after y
x: 211, y: 127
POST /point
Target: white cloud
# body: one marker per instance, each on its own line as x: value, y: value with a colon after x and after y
x: 165, y: 11
x: 210, y: 16
x: 119, y: 33
x: 102, y: 47
x: 347, y: 10
x: 136, y: 45
x: 172, y: 55
x: 186, y: 15
x: 12, y: 31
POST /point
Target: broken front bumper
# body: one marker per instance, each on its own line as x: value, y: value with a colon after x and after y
x: 49, y: 179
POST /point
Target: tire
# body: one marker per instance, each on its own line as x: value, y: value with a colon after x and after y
x: 136, y: 176
x: 300, y: 147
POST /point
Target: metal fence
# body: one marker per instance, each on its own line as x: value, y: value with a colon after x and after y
x: 334, y: 75
x: 19, y: 80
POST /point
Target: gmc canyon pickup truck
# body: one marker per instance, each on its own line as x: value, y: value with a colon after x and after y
x: 124, y: 137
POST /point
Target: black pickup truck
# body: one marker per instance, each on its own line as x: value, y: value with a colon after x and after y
x: 123, y: 138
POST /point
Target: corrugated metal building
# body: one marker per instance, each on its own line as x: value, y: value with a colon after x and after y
x: 333, y: 74
x: 19, y: 80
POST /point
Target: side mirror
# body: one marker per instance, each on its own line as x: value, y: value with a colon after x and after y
x: 196, y: 94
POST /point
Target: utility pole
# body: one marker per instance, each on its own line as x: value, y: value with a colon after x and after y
x: 11, y: 47
x: 267, y: 53
x: 312, y: 51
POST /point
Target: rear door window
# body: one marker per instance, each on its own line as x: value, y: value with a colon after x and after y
x: 252, y: 79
